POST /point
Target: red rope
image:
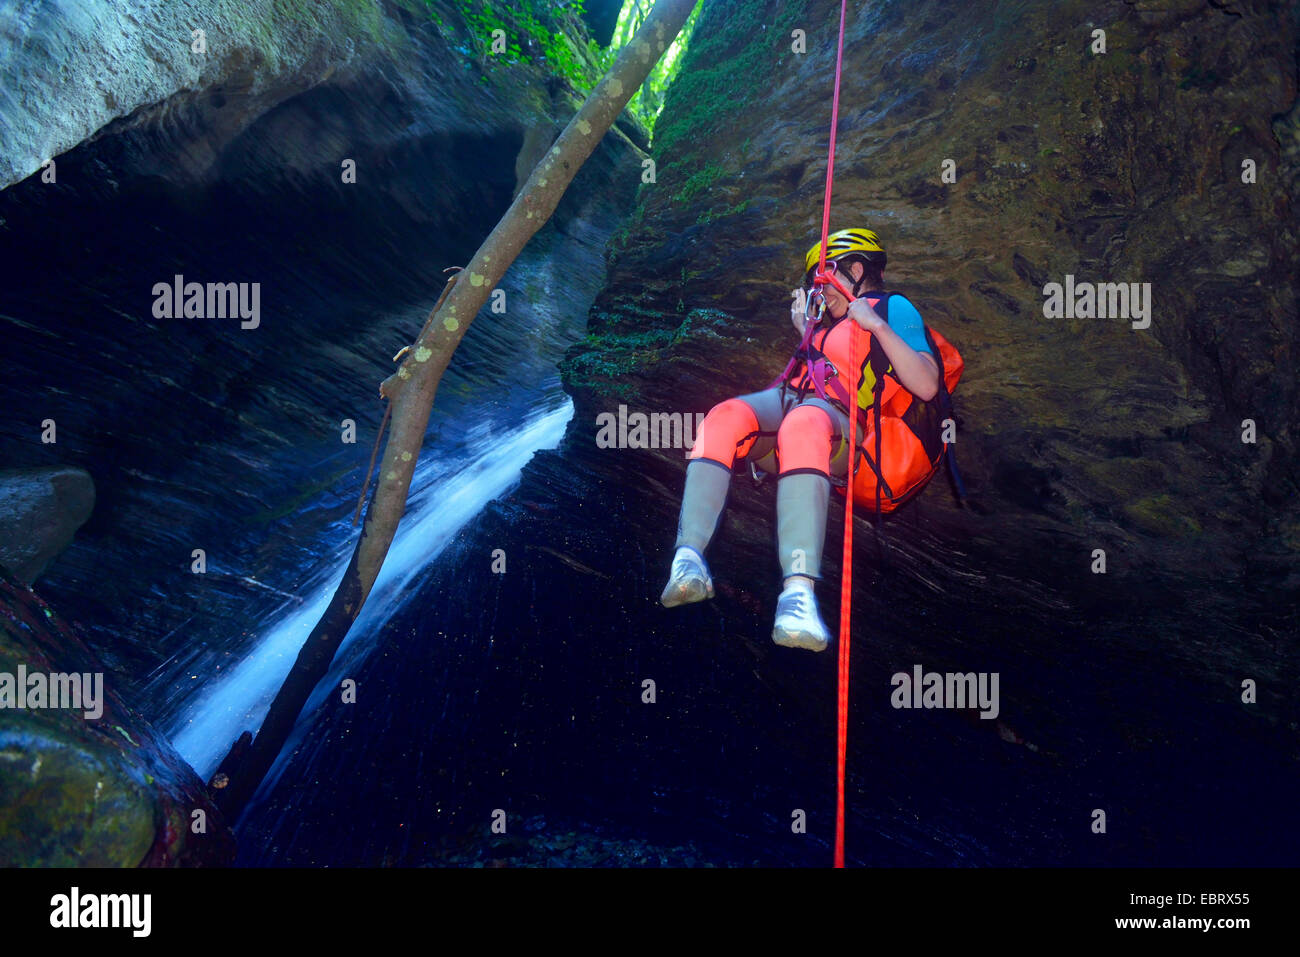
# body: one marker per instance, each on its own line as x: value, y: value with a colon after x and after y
x: 846, y: 584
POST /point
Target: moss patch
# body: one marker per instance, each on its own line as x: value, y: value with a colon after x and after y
x: 603, y: 360
x: 1161, y: 515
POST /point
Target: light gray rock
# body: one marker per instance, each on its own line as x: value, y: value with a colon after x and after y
x: 96, y: 61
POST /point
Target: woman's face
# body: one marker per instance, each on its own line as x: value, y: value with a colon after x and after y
x: 848, y: 276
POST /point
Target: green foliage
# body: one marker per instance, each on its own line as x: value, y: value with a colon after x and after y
x: 610, y: 356
x: 536, y: 32
x: 710, y: 215
x: 648, y: 100
x: 544, y: 32
x: 727, y: 70
x: 698, y: 182
x: 602, y: 58
x: 624, y: 232
x: 431, y: 10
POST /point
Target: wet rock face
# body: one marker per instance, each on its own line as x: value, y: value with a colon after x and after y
x: 1122, y: 166
x: 90, y: 785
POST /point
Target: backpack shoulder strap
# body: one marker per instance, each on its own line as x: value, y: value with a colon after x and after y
x: 882, y: 307
x: 938, y: 358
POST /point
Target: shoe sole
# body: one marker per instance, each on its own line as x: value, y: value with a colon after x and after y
x: 686, y: 593
x: 798, y: 639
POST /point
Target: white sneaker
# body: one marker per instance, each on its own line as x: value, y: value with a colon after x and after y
x: 798, y: 623
x: 689, y: 579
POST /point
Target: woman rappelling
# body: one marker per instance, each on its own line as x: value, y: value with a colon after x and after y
x: 798, y: 428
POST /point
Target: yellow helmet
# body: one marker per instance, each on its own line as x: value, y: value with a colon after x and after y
x: 862, y: 241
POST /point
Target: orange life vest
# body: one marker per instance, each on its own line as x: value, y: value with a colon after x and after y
x: 905, y: 452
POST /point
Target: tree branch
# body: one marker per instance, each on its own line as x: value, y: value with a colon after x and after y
x: 415, y: 384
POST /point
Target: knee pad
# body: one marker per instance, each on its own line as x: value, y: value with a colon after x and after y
x: 727, y: 433
x: 804, y: 441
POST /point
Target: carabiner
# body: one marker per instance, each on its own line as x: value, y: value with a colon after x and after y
x: 814, y: 296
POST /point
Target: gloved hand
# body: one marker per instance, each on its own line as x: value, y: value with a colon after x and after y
x: 797, y: 309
